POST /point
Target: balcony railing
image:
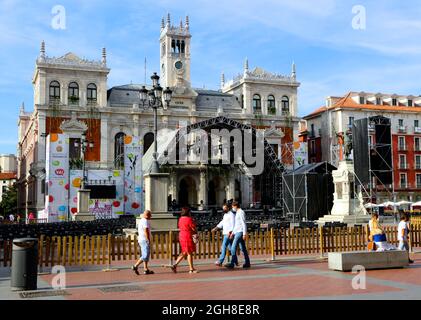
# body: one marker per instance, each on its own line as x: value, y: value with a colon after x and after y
x: 402, y: 147
x: 403, y: 166
x: 417, y: 129
x: 402, y: 129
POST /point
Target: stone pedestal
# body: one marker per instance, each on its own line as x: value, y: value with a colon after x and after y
x: 83, y: 214
x: 347, y: 206
x: 156, y: 200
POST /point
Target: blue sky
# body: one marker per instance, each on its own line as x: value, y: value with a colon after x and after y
x: 332, y: 58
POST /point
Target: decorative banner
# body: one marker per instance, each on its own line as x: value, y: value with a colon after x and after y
x: 133, y: 176
x: 300, y: 154
x: 101, y: 208
x: 57, y: 173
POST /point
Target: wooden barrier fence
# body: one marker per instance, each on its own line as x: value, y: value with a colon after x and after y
x: 416, y: 220
x: 103, y: 250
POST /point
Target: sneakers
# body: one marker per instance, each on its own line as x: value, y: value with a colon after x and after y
x: 148, y: 272
x: 229, y: 266
x: 246, y: 266
x: 174, y: 268
x: 218, y: 264
x: 411, y: 261
x: 134, y: 268
x: 194, y: 271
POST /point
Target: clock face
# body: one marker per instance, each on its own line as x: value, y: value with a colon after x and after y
x: 178, y: 65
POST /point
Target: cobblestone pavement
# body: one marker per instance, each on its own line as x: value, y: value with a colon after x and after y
x: 300, y: 277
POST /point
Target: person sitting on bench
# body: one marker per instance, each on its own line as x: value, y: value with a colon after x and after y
x: 377, y: 234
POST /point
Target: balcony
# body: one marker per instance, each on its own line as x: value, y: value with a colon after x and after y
x: 402, y: 129
x: 403, y: 166
x: 417, y: 130
x: 418, y: 166
x: 402, y: 147
x: 54, y: 101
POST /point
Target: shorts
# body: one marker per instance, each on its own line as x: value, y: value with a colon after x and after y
x: 403, y: 245
x: 145, y: 250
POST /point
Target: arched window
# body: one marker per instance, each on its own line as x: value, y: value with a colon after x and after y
x: 173, y: 45
x: 54, y: 90
x: 257, y: 104
x: 73, y: 92
x: 271, y: 105
x: 119, y: 150
x: 183, y: 46
x: 285, y: 105
x: 148, y: 139
x: 91, y: 93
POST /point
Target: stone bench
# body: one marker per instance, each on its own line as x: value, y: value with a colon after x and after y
x: 345, y: 261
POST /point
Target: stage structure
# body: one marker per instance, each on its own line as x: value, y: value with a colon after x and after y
x: 268, y: 183
x: 372, y: 154
x: 308, y: 191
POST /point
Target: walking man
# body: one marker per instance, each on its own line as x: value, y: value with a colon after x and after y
x: 227, y: 225
x: 239, y: 235
x: 144, y: 230
x: 403, y: 233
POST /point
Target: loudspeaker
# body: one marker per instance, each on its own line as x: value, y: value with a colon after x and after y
x: 360, y: 150
x: 379, y: 157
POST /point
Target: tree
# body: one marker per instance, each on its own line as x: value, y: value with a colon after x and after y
x: 8, y: 204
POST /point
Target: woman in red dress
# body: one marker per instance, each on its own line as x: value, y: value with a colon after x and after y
x: 187, y: 228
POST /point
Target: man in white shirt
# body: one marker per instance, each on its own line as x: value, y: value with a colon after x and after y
x: 239, y: 235
x: 11, y: 217
x: 227, y: 225
x: 144, y: 230
x: 403, y: 233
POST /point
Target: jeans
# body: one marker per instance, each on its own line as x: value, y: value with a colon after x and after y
x: 403, y: 245
x: 239, y: 241
x: 145, y: 250
x: 226, y: 244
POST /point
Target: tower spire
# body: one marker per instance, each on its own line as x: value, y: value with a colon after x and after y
x: 187, y: 23
x: 42, y: 50
x: 162, y: 23
x: 246, y: 65
x: 104, y: 56
x: 294, y: 71
x: 168, y: 20
x: 181, y: 23
x: 222, y: 80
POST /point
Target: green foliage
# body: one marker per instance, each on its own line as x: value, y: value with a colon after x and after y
x: 9, y: 203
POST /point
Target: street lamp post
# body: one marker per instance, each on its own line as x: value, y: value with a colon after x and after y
x: 155, y: 98
x: 85, y: 144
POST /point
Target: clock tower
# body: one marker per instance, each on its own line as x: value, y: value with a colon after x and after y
x: 175, y: 54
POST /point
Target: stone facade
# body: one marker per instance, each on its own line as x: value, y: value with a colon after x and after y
x: 107, y: 113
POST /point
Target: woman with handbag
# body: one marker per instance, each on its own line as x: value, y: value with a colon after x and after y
x: 188, y: 239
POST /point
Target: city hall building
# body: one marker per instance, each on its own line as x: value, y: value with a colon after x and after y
x: 72, y: 97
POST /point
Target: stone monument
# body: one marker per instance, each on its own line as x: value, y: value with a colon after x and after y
x: 348, y: 204
x: 83, y: 213
x: 156, y: 200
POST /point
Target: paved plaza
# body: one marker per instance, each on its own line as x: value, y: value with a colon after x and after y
x: 300, y: 277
